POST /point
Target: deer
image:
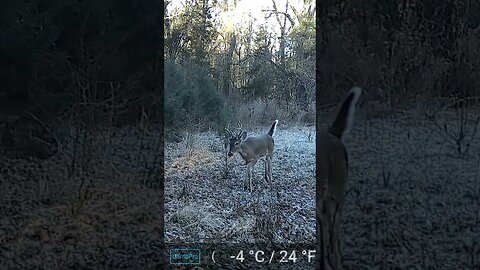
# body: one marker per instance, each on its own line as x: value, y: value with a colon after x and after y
x: 252, y: 149
x: 332, y: 174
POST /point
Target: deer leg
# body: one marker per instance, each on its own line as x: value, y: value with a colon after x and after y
x: 329, y: 212
x: 336, y: 235
x: 322, y: 225
x: 333, y: 220
x: 249, y: 175
x: 251, y: 186
x: 270, y: 169
x: 266, y: 170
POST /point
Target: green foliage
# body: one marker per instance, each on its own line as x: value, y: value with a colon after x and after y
x: 244, y: 62
x: 191, y: 34
x: 261, y: 70
x: 301, y: 40
x: 191, y: 99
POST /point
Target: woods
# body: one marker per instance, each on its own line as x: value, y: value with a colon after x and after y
x: 64, y: 58
x: 403, y: 52
x: 220, y: 70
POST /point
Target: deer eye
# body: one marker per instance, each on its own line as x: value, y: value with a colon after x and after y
x: 236, y: 143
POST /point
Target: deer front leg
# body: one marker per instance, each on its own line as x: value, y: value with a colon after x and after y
x: 249, y: 176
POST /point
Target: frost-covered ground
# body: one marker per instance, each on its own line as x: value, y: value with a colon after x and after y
x: 205, y: 199
x: 412, y: 201
x: 105, y: 215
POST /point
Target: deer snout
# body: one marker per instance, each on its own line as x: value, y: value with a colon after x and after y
x: 230, y: 154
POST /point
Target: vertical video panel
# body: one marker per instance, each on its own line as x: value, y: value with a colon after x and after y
x: 398, y: 170
x: 79, y: 135
x: 240, y: 122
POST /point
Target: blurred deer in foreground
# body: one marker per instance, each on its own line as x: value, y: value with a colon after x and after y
x: 252, y: 149
x: 332, y: 172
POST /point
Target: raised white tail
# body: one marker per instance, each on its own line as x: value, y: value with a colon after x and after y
x: 344, y: 120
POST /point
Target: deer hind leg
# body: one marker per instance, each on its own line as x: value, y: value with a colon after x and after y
x: 324, y: 232
x: 268, y: 169
x: 333, y: 214
x: 337, y: 215
x: 331, y: 238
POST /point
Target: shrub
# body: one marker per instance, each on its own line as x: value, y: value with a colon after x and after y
x: 191, y: 98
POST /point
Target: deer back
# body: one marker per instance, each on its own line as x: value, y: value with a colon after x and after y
x: 259, y: 145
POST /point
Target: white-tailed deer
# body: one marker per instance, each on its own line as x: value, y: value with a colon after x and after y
x: 252, y: 149
x: 332, y: 172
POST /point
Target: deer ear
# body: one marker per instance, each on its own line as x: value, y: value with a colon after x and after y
x: 243, y: 136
